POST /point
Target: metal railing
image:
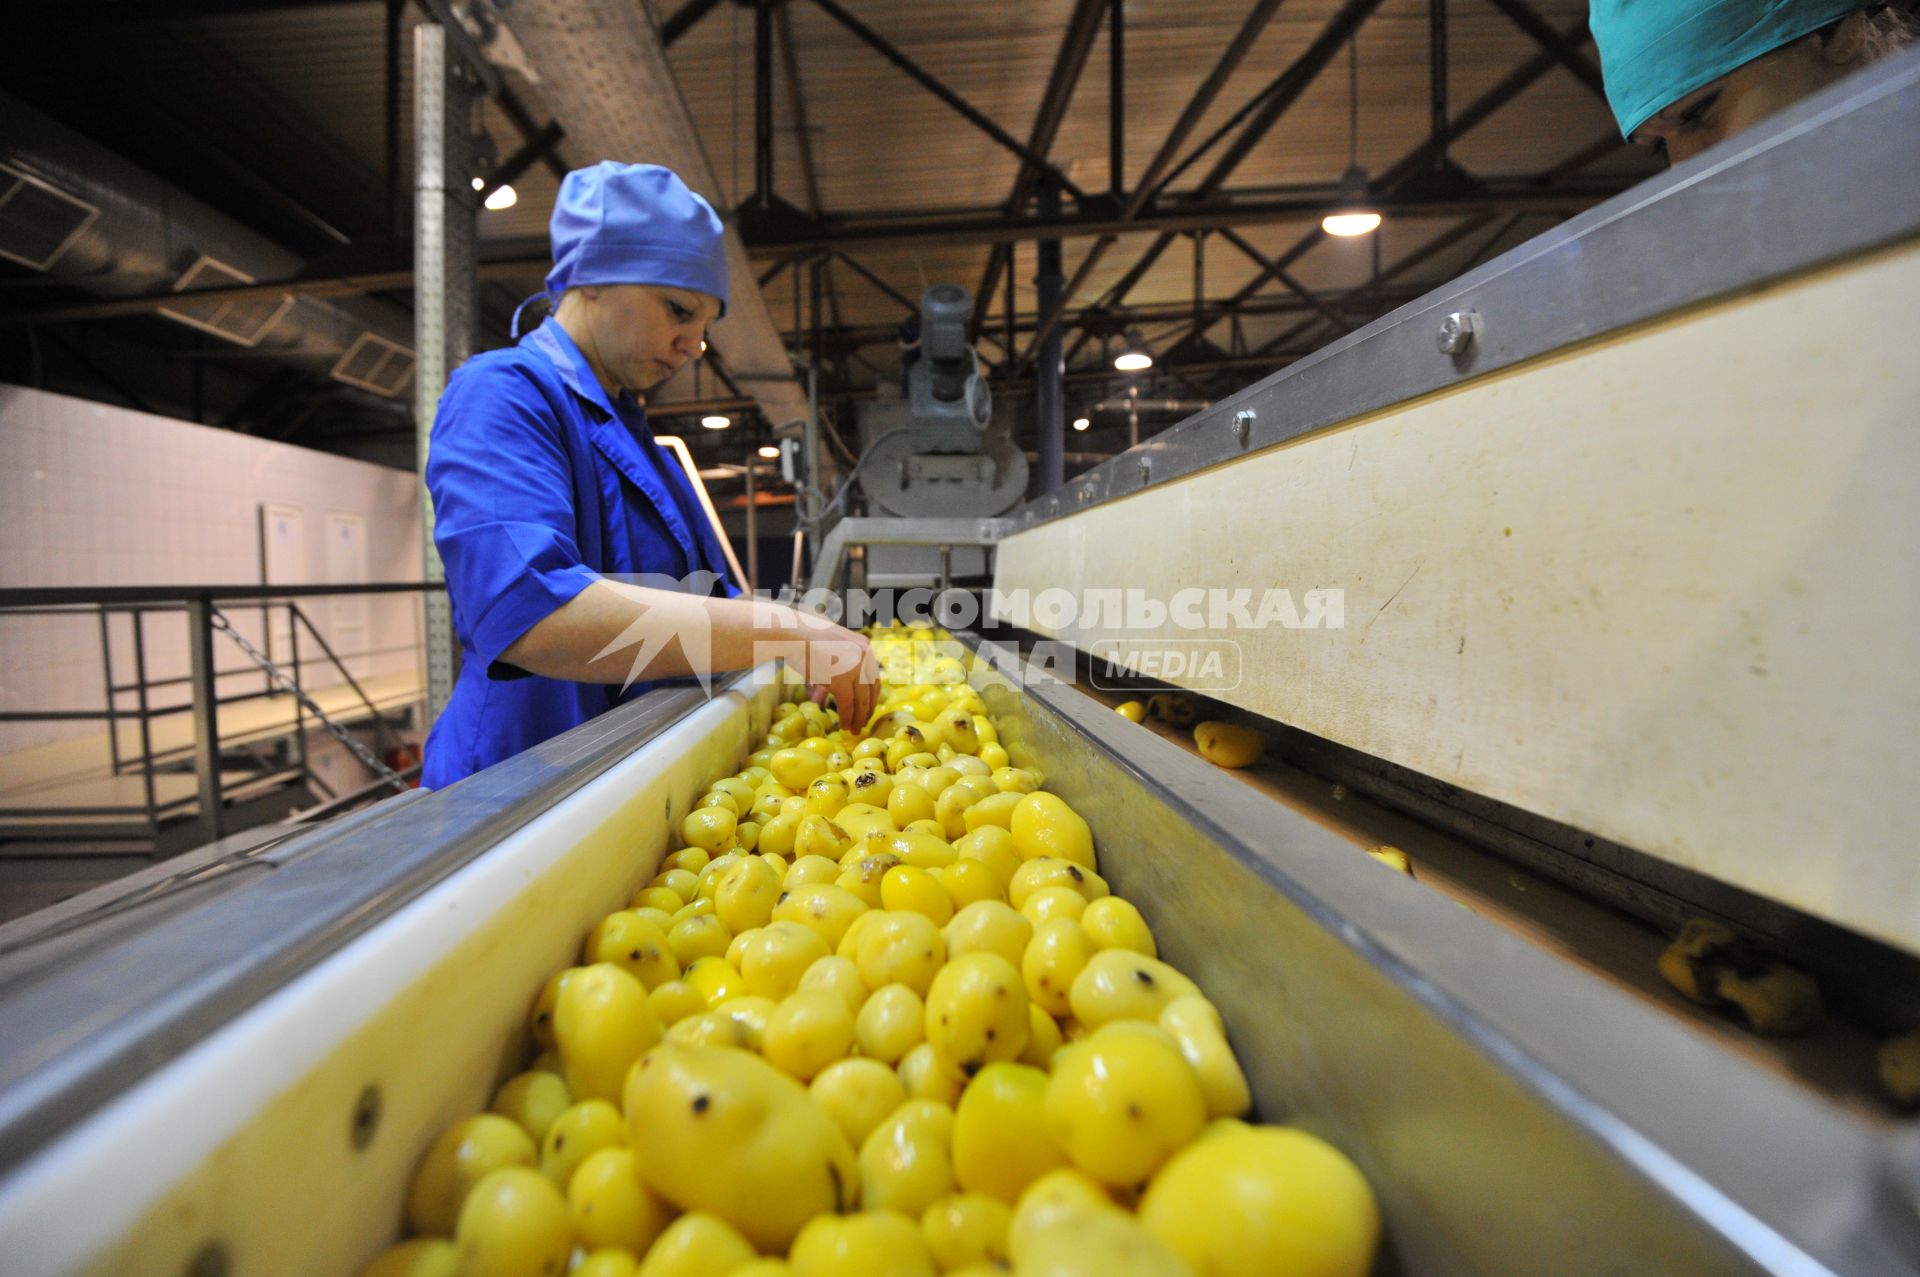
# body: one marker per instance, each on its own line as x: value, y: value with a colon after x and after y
x: 282, y: 675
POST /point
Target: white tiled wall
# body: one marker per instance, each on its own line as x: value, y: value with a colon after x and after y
x: 92, y: 494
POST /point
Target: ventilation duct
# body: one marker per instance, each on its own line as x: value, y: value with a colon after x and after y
x: 242, y: 320
x: 95, y: 221
x: 38, y: 222
x: 376, y: 364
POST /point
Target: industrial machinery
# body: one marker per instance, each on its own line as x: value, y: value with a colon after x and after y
x: 1621, y: 522
x: 934, y: 453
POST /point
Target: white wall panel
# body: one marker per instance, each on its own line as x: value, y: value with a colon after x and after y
x: 92, y: 494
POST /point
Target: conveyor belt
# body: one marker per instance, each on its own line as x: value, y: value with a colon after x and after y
x: 1515, y: 1113
x: 1482, y: 1085
x: 1836, y: 1061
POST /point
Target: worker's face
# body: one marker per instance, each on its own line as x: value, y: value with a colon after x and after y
x: 638, y: 335
x: 1750, y: 93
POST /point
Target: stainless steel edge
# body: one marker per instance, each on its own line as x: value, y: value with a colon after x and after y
x: 82, y: 1031
x: 1515, y: 1113
x: 1835, y: 175
x: 850, y: 532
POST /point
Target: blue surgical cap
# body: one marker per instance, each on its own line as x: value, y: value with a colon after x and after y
x: 1655, y: 52
x: 636, y: 224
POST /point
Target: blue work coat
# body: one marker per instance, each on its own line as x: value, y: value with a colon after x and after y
x: 541, y: 485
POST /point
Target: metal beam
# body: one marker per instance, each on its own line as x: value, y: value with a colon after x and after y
x: 1358, y: 301
x: 1487, y: 246
x: 1116, y: 99
x: 1512, y: 86
x: 461, y: 40
x: 1266, y: 108
x: 1074, y: 285
x: 803, y: 142
x: 1075, y: 47
x: 535, y: 149
x: 1437, y: 72
x: 396, y: 198
x: 1289, y: 303
x: 1197, y: 106
x: 1266, y: 360
x: 772, y: 272
x: 878, y: 283
x: 797, y: 108
x: 762, y: 103
x: 1202, y: 100
x: 1270, y: 269
x: 996, y: 227
x: 522, y: 120
x: 508, y: 259
x: 1565, y: 50
x: 683, y: 19
x: 1432, y: 248
x: 879, y: 44
x: 1050, y: 403
x: 1516, y: 82
x: 1286, y: 89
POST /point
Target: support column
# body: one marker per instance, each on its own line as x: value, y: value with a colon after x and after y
x: 443, y: 295
x: 1049, y: 368
x: 210, y: 825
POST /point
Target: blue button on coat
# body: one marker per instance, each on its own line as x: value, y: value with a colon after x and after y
x: 541, y: 485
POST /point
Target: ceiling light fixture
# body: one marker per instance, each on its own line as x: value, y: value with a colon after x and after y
x: 1081, y: 423
x: 1348, y: 225
x: 502, y: 197
x: 768, y: 452
x: 1353, y: 217
x: 1134, y: 356
x: 716, y: 421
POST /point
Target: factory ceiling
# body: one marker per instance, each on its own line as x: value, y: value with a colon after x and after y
x: 871, y: 147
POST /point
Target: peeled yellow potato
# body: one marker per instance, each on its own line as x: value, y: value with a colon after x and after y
x: 1228, y: 744
x: 514, y: 1224
x: 726, y: 1132
x: 1000, y: 1142
x: 463, y: 1155
x: 878, y: 1012
x: 1254, y: 1201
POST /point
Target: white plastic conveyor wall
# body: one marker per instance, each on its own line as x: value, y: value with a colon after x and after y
x: 1635, y: 559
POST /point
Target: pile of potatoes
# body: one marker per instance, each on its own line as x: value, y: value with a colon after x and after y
x: 880, y: 1015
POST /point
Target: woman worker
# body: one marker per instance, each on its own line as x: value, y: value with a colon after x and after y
x: 547, y: 485
x: 1682, y: 76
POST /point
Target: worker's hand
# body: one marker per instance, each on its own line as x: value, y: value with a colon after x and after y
x: 841, y: 664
